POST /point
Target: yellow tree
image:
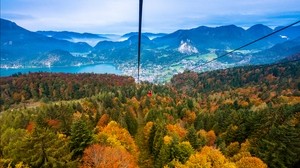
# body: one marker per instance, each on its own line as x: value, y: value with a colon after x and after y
x: 209, y: 157
x: 116, y: 136
x: 177, y: 130
x: 250, y: 162
x: 147, y: 130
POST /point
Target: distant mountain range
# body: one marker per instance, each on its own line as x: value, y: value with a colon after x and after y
x: 69, y: 35
x: 91, y: 39
x: 149, y: 35
x: 190, y: 47
x: 277, y: 52
x: 202, y: 40
x: 224, y: 37
x: 20, y: 46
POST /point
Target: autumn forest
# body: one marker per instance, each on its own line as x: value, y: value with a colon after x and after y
x: 243, y: 117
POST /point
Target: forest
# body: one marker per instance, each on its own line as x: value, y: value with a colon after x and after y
x: 243, y: 117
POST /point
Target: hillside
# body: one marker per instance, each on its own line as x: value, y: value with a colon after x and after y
x: 149, y: 35
x: 202, y: 39
x: 69, y: 35
x: 227, y: 37
x: 277, y: 52
x: 90, y: 38
x: 21, y: 46
x: 163, y: 55
x: 238, y: 117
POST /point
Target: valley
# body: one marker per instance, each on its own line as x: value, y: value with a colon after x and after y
x: 163, y: 55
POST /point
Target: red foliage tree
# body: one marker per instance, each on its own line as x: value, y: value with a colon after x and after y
x: 97, y: 156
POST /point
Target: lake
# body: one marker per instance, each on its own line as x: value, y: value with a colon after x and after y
x: 96, y: 68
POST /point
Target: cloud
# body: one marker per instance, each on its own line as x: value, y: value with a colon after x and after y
x: 121, y: 16
x: 82, y: 14
x: 16, y: 16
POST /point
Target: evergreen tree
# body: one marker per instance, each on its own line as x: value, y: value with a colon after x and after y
x: 10, y: 143
x: 151, y: 138
x: 280, y: 147
x: 158, y: 141
x: 164, y: 156
x: 193, y: 138
x: 182, y: 151
x: 131, y: 123
x: 81, y: 137
x: 43, y: 148
x: 198, y: 124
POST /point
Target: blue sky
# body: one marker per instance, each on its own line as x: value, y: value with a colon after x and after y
x: 121, y: 16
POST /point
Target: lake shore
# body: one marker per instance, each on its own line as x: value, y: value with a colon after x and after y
x: 91, y: 68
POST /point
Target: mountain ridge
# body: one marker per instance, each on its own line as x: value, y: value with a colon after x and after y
x: 16, y: 40
x: 169, y: 53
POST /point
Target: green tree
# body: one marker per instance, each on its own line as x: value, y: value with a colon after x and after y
x: 164, y: 156
x: 131, y: 123
x: 151, y: 138
x: 10, y: 143
x: 198, y: 124
x: 43, y: 148
x: 193, y: 138
x: 182, y: 151
x: 280, y: 147
x: 80, y: 138
x: 158, y: 141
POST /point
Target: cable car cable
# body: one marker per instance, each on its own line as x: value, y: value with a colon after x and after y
x: 139, y: 37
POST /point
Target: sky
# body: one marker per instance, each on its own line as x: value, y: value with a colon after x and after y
x: 159, y: 16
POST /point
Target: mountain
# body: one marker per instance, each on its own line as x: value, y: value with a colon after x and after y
x: 173, y: 53
x: 277, y: 52
x: 226, y: 37
x: 91, y: 39
x: 70, y: 35
x: 258, y: 31
x: 198, y: 41
x: 294, y: 57
x: 289, y: 33
x: 205, y: 37
x: 149, y: 35
x: 58, y: 58
x: 19, y: 45
x: 110, y: 45
x: 163, y: 56
x: 120, y: 51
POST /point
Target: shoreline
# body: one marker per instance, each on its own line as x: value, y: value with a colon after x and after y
x: 86, y: 68
x: 36, y: 67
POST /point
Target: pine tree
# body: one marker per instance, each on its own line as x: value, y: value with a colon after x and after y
x: 182, y: 151
x: 193, y: 138
x: 280, y: 147
x: 151, y: 138
x: 131, y: 123
x: 81, y: 137
x: 43, y: 148
x: 164, y: 156
x: 158, y: 141
x: 10, y: 143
